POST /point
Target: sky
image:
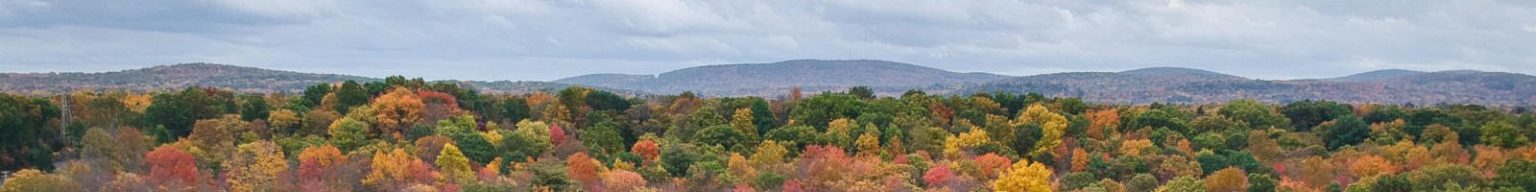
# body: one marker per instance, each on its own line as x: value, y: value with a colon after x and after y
x: 552, y: 39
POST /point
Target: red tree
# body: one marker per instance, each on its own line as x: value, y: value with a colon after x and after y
x: 583, y: 169
x: 439, y: 105
x: 556, y: 134
x: 647, y: 149
x: 991, y: 163
x: 317, y: 167
x: 938, y: 176
x: 169, y: 165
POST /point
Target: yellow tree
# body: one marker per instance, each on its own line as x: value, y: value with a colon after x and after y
x: 868, y: 144
x: 216, y: 137
x: 769, y: 153
x: 1488, y: 158
x: 1052, y: 127
x: 1134, y: 147
x: 283, y: 120
x: 966, y: 141
x: 491, y: 172
x: 742, y: 122
x: 840, y: 131
x: 1371, y: 165
x: 395, y: 169
x: 1024, y: 176
x: 1316, y: 171
x: 1230, y: 179
x: 256, y: 167
x: 739, y: 170
x: 453, y: 164
x: 28, y: 180
x: 398, y: 110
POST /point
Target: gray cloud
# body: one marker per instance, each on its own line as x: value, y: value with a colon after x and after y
x: 550, y: 39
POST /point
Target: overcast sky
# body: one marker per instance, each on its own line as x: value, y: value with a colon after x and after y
x: 551, y: 39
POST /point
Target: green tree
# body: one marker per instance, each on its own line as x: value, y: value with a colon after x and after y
x: 25, y: 132
x: 1503, y: 134
x: 348, y: 133
x: 1346, y: 130
x: 722, y: 135
x: 177, y: 111
x: 1261, y: 183
x: 799, y: 135
x: 763, y: 116
x: 862, y: 92
x: 1215, y: 124
x: 515, y: 109
x: 1171, y: 119
x: 821, y: 109
x: 600, y: 100
x: 1441, y: 175
x: 253, y: 107
x: 313, y: 96
x: 532, y: 135
x: 350, y: 94
x: 1517, y: 173
x: 98, y: 146
x: 1306, y: 114
x: 1255, y: 114
x: 1142, y: 183
x: 1183, y: 183
x: 677, y: 157
x: 603, y: 139
x: 1074, y: 181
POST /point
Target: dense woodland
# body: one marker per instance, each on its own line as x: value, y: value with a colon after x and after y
x: 409, y: 135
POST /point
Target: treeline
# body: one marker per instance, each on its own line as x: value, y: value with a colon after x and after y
x: 410, y: 135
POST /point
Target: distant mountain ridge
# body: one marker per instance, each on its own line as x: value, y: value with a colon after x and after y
x: 1378, y: 75
x: 238, y: 78
x: 246, y: 79
x: 1186, y: 86
x: 778, y: 77
x: 1140, y: 86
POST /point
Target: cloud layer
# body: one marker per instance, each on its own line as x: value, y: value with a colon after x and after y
x: 550, y: 39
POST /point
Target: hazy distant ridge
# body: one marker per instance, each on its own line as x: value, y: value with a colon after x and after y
x: 754, y: 79
x: 246, y: 79
x: 1140, y: 86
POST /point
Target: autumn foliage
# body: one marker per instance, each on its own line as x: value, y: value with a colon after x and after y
x: 171, y: 167
x: 411, y: 135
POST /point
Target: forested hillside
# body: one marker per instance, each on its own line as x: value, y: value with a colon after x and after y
x: 885, y: 78
x: 403, y: 134
x: 778, y: 77
x: 168, y: 77
x: 1173, y: 85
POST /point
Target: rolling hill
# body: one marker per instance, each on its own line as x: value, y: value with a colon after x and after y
x: 238, y: 78
x: 1194, y: 86
x: 778, y: 77
x: 1377, y: 75
x: 245, y: 79
x: 1140, y: 86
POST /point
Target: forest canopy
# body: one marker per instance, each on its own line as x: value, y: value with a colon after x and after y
x: 411, y: 135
